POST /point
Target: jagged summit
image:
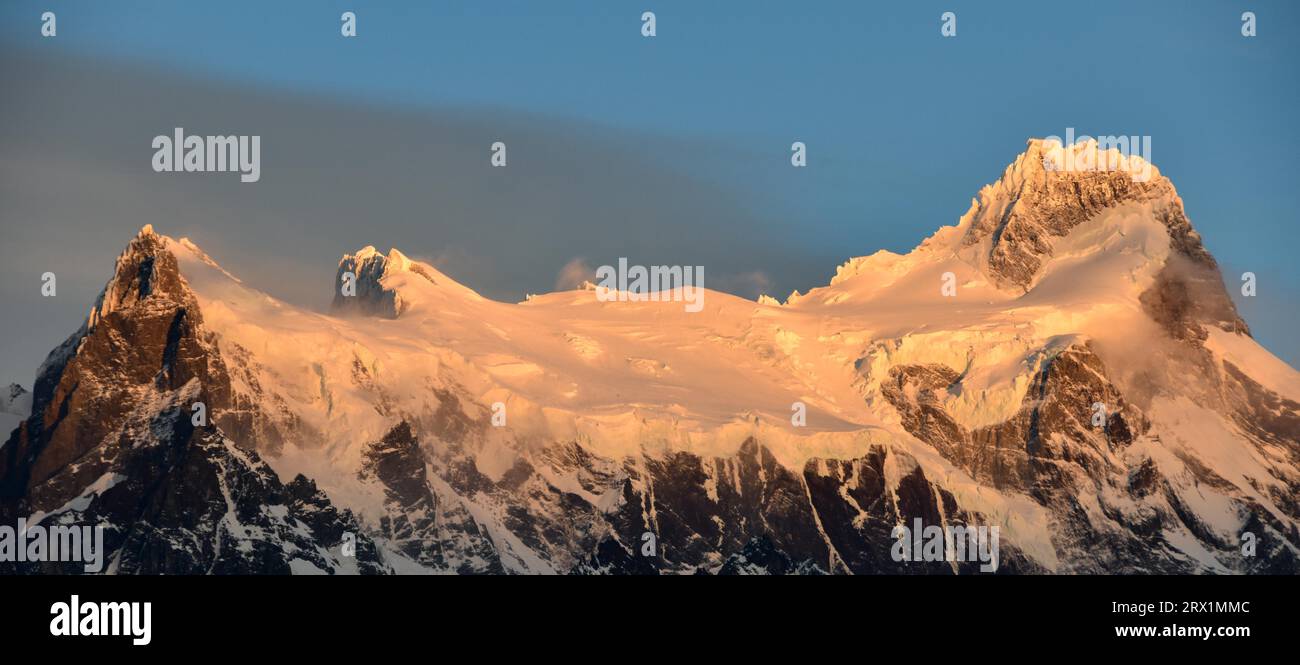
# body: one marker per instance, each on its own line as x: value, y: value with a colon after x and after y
x: 387, y: 285
x: 1048, y: 191
x: 1044, y: 193
x: 146, y: 267
x: 1081, y: 160
x: 395, y: 259
x: 1065, y: 210
x: 359, y: 284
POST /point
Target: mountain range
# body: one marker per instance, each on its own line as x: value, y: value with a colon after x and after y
x: 1064, y: 363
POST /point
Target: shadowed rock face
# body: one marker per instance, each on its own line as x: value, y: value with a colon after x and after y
x: 1187, y: 296
x: 745, y: 514
x: 438, y: 534
x: 113, y: 427
x: 761, y: 557
x: 366, y: 268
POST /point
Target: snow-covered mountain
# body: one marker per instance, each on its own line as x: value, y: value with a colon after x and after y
x: 1087, y: 387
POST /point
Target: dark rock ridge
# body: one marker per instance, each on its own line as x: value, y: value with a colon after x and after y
x: 749, y: 514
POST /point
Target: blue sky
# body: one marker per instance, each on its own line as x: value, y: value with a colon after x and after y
x: 902, y: 125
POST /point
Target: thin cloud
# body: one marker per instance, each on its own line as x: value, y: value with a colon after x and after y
x: 573, y: 274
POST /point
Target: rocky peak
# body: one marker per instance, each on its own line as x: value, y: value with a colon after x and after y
x: 386, y: 285
x: 146, y: 268
x: 144, y: 338
x: 114, y: 426
x: 369, y: 268
x: 1039, y: 198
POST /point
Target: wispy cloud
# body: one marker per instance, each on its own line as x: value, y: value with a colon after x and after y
x: 573, y: 274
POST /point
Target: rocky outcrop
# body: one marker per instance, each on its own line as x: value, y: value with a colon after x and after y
x: 441, y: 535
x: 358, y: 286
x: 1055, y: 422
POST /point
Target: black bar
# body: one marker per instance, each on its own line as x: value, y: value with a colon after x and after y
x: 939, y: 615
